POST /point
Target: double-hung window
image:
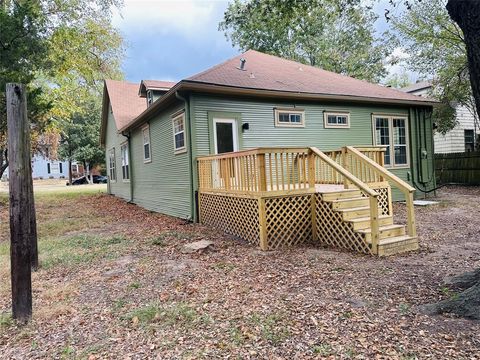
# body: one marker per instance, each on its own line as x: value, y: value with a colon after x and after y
x: 469, y: 136
x: 289, y: 118
x: 179, y: 133
x: 125, y: 160
x: 111, y: 165
x: 147, y: 154
x: 391, y: 131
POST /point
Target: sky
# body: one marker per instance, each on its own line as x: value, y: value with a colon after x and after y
x: 174, y: 39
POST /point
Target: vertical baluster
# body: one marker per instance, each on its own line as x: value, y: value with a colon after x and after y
x: 270, y: 165
x: 281, y: 171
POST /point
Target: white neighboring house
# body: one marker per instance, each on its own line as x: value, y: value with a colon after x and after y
x: 45, y: 168
x: 463, y: 137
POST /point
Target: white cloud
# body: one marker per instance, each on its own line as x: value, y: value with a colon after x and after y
x: 191, y: 18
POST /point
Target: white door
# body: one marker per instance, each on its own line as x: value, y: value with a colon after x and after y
x: 225, y: 140
x: 225, y: 135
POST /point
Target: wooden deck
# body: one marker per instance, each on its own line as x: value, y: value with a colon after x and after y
x: 283, y: 197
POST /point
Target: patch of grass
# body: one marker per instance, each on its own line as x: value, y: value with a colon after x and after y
x: 163, y: 238
x: 323, y: 350
x: 346, y: 315
x: 271, y: 327
x: 119, y: 304
x: 404, y: 308
x: 174, y: 314
x: 225, y: 266
x: 134, y: 285
x: 5, y: 320
x: 79, y: 249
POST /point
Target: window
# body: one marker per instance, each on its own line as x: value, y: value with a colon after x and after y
x: 391, y: 131
x: 48, y: 168
x: 469, y: 140
x: 147, y: 156
x: 111, y: 165
x: 149, y: 97
x: 179, y: 133
x: 290, y: 118
x: 337, y: 120
x: 125, y: 170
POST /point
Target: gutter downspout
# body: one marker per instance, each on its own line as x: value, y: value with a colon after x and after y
x: 190, y: 152
x: 130, y: 172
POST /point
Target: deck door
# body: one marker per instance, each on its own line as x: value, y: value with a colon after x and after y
x: 225, y: 140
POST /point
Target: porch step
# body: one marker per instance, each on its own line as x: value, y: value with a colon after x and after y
x: 388, y: 231
x: 364, y: 222
x: 341, y: 194
x: 350, y: 203
x: 397, y: 245
x: 355, y: 212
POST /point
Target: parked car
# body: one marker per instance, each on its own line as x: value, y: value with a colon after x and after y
x: 97, y: 179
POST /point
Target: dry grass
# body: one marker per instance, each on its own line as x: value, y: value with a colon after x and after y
x: 115, y: 284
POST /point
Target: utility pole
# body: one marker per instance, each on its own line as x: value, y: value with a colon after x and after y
x: 23, y: 236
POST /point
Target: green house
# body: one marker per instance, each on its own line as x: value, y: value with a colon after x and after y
x: 153, y: 132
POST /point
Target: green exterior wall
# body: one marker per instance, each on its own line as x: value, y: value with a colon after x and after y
x: 164, y: 184
x: 113, y: 139
x: 263, y: 133
x: 167, y: 183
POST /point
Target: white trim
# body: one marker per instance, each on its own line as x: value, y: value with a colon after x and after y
x: 149, y: 159
x: 234, y: 132
x: 391, y: 144
x: 326, y: 125
x: 290, y: 111
x: 182, y: 149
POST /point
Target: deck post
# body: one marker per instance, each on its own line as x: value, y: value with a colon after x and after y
x: 374, y: 227
x: 262, y: 217
x: 311, y: 169
x: 262, y: 175
x: 345, y: 166
x: 412, y: 231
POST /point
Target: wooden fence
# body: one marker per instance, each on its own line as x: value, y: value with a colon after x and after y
x: 459, y: 168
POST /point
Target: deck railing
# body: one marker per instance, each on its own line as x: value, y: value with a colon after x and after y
x: 267, y: 172
x: 380, y: 172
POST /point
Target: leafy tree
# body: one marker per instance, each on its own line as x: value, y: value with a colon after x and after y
x: 80, y: 137
x: 334, y: 35
x: 437, y: 50
x: 398, y: 81
x: 61, y: 49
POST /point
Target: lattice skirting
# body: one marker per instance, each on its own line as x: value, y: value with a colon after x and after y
x: 331, y: 230
x: 384, y: 197
x: 235, y: 215
x: 288, y: 220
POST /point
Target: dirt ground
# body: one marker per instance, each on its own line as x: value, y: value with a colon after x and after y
x: 114, y: 283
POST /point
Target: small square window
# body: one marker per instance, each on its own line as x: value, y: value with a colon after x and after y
x: 337, y: 120
x: 292, y: 118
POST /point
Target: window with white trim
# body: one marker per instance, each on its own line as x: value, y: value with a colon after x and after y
x: 336, y: 120
x: 147, y: 153
x: 289, y: 118
x: 179, y: 133
x: 125, y: 161
x: 111, y: 165
x: 391, y: 131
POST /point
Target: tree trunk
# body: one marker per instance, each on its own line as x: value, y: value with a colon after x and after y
x: 3, y: 161
x: 466, y: 13
x: 466, y: 303
x: 21, y: 199
x: 69, y: 171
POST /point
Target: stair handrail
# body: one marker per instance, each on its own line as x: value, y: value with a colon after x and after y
x: 372, y: 194
x: 403, y: 186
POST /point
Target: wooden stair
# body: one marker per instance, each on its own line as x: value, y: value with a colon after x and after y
x: 355, y: 211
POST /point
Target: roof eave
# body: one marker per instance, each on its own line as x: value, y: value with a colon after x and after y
x: 190, y: 85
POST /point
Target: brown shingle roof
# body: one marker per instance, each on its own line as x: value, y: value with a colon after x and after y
x: 417, y: 86
x: 125, y: 102
x: 158, y: 84
x: 267, y: 72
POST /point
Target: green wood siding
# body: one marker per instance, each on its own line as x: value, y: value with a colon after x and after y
x: 115, y: 140
x: 164, y: 184
x: 262, y: 131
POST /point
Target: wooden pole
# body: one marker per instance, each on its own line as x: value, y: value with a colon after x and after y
x: 21, y: 202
